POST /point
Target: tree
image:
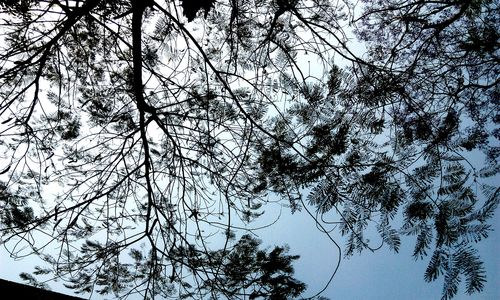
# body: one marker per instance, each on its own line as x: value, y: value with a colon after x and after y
x: 136, y: 132
x: 440, y: 61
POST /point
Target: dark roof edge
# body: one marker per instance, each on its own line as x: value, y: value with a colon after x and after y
x: 24, y: 291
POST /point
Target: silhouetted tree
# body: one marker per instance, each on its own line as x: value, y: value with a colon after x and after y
x: 243, y: 271
x: 158, y: 128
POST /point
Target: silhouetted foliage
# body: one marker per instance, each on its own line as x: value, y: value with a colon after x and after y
x: 161, y: 129
x: 244, y: 271
x: 191, y: 7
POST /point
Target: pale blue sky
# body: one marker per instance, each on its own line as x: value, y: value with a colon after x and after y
x: 379, y: 275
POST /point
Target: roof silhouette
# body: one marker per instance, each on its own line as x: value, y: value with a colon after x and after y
x: 23, y: 291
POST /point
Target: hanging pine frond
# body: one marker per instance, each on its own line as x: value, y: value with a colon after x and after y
x: 488, y: 208
x: 437, y: 265
x: 424, y: 239
x: 324, y: 196
x: 467, y: 259
x: 474, y: 232
x: 451, y: 281
x: 390, y: 236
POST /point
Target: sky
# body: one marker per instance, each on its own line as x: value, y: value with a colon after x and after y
x: 379, y: 275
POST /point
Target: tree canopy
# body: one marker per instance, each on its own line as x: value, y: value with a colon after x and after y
x: 141, y: 139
